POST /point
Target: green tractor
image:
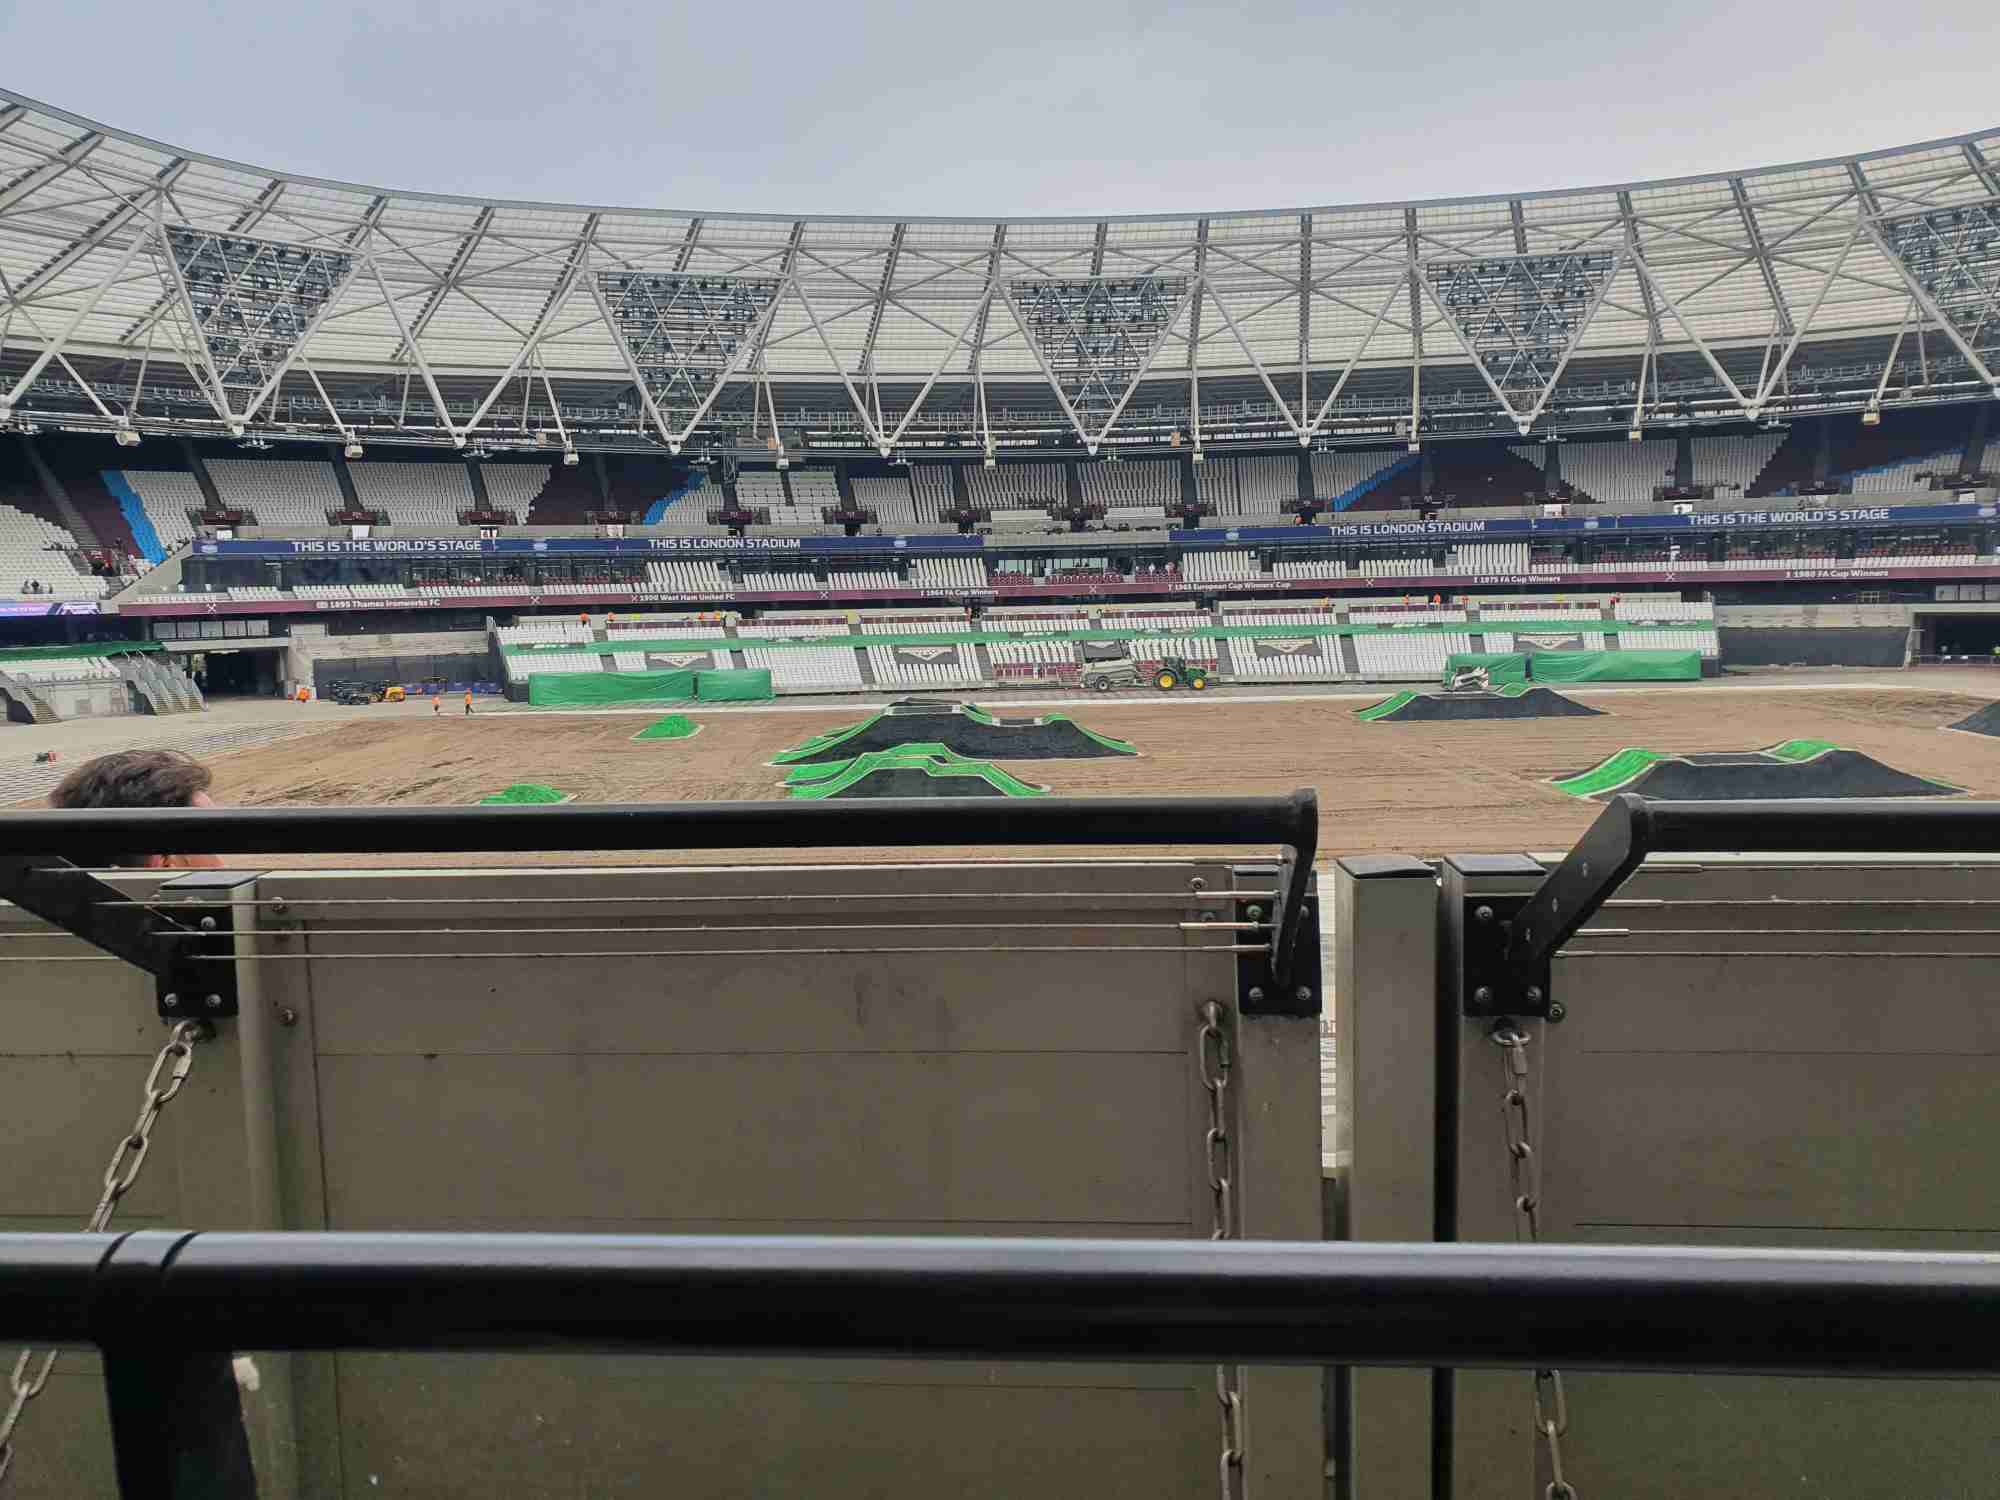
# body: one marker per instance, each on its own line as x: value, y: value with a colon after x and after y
x: 1171, y: 672
x: 1166, y: 674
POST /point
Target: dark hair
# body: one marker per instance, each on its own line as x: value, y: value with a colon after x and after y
x: 133, y: 778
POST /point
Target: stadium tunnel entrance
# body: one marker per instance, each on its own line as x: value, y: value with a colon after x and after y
x: 1960, y: 635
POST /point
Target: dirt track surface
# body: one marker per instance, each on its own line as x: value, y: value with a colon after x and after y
x: 1421, y: 788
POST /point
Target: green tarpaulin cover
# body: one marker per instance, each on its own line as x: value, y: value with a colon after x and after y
x: 1501, y: 666
x: 593, y: 689
x: 526, y: 794
x: 734, y: 687
x: 672, y: 727
x: 1617, y: 666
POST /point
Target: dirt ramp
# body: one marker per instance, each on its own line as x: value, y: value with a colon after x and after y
x: 963, y: 729
x: 1534, y: 703
x: 1792, y: 770
x: 1982, y: 721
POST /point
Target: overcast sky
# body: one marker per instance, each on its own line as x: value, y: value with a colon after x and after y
x: 1016, y: 107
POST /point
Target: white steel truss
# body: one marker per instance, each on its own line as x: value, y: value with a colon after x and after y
x: 250, y: 304
x: 1519, y: 318
x: 684, y: 335
x: 1315, y: 323
x: 1951, y: 258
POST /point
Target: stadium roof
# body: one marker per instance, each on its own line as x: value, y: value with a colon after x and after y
x: 143, y: 283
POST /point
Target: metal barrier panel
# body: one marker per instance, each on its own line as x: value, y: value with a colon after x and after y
x: 1789, y: 1051
x: 1001, y: 1049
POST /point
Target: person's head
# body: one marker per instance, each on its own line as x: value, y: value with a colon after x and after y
x: 137, y: 778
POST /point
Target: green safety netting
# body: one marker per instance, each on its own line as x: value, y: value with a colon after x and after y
x: 1500, y: 666
x: 932, y: 760
x: 594, y: 689
x: 1617, y: 666
x: 96, y: 648
x: 749, y: 686
x: 672, y: 727
x: 526, y: 794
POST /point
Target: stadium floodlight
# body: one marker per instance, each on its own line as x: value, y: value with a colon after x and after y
x: 991, y: 462
x: 237, y: 429
x: 124, y: 436
x: 1634, y: 435
x: 570, y: 459
x: 1200, y: 457
x: 353, y: 449
x: 1415, y: 446
x: 1872, y: 417
x: 784, y: 462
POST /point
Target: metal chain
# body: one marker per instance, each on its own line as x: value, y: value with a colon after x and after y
x: 1212, y: 1045
x: 169, y: 1071
x: 1524, y: 1176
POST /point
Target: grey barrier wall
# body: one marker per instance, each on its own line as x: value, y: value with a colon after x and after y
x: 1788, y: 1052
x: 992, y: 1049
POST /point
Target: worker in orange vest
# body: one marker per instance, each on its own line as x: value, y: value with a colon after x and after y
x: 468, y: 703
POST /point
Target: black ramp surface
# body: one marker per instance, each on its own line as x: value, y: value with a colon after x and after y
x: 969, y: 737
x: 902, y: 783
x: 1838, y: 773
x: 1982, y: 721
x: 1536, y: 703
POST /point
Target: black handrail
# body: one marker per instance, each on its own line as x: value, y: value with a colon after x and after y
x: 1632, y: 827
x: 1873, y: 1313
x: 58, y: 840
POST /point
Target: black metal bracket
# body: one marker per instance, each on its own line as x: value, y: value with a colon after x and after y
x: 1259, y: 990
x: 179, y: 949
x: 1490, y: 984
x: 1630, y: 828
x: 194, y: 980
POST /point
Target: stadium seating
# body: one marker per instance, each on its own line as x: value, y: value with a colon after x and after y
x: 256, y: 594
x: 1395, y: 656
x: 1402, y: 615
x: 863, y: 578
x: 165, y: 497
x: 890, y: 498
x: 778, y: 582
x: 1317, y: 567
x: 543, y: 662
x: 758, y: 488
x: 807, y: 669
x: 414, y: 494
x: 1148, y: 485
x: 949, y: 573
x: 1026, y: 486
x: 682, y: 575
x: 1218, y: 567
x: 1703, y: 641
x: 1656, y: 609
x: 278, y: 492
x: 1613, y: 473
x: 1342, y: 477
x: 815, y: 489
x: 932, y: 486
x: 1264, y: 483
x: 1488, y: 557
x: 1730, y: 465
x: 34, y: 550
x: 515, y: 487
x: 1303, y: 658
x: 945, y: 666
x: 1215, y: 485
x: 1901, y: 476
x: 545, y: 630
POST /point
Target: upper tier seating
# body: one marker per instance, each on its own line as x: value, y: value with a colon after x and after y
x: 1146, y: 484
x: 165, y: 496
x: 514, y: 487
x: 414, y: 494
x: 949, y: 573
x: 278, y: 491
x: 1218, y: 567
x: 1730, y: 465
x: 1613, y: 473
x: 1018, y: 486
